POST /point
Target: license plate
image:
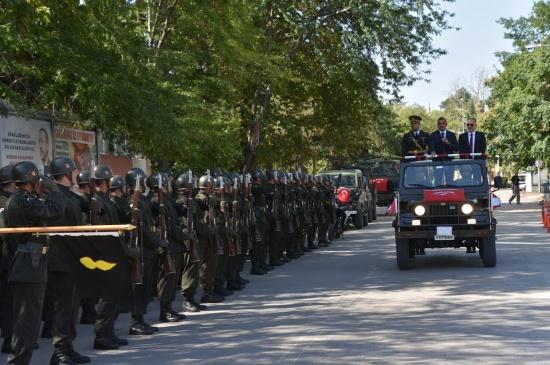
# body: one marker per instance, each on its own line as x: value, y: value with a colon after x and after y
x: 444, y: 233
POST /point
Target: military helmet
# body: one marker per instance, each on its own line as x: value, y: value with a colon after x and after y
x: 62, y: 166
x: 154, y: 181
x: 217, y: 182
x: 117, y: 182
x: 203, y: 181
x: 270, y: 175
x: 83, y: 178
x: 24, y: 172
x: 259, y: 174
x: 132, y: 175
x: 183, y: 181
x: 5, y: 174
x: 103, y: 172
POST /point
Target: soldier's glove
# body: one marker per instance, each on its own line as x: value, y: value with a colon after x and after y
x: 164, y: 244
x: 135, y: 215
x: 95, y: 207
x: 48, y: 185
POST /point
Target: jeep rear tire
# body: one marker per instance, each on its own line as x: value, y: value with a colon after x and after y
x: 488, y: 252
x: 403, y: 253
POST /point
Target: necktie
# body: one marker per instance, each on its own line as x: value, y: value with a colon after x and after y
x: 470, y: 142
x: 442, y: 134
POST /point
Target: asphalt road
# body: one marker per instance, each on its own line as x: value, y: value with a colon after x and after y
x: 348, y: 304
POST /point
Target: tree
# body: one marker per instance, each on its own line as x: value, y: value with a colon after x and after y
x: 519, y: 115
x: 202, y: 84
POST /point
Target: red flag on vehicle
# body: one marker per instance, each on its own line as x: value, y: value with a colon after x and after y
x: 344, y: 195
x: 444, y: 195
x: 392, y: 209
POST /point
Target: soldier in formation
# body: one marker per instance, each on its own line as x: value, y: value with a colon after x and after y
x: 195, y: 233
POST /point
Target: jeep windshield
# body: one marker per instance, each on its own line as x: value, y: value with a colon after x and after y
x: 443, y: 176
x: 348, y: 181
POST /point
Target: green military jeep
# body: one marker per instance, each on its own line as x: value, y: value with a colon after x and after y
x: 362, y: 201
x: 444, y: 204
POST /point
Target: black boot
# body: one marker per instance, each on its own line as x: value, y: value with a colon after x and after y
x: 77, y: 357
x: 47, y: 330
x: 265, y: 266
x: 210, y: 297
x: 61, y: 356
x: 241, y: 280
x: 256, y: 269
x: 167, y: 314
x: 6, y: 345
x: 105, y: 344
x: 188, y: 306
x: 139, y: 328
x: 234, y: 286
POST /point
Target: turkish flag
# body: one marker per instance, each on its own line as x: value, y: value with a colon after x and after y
x: 344, y: 195
x: 392, y: 209
x: 444, y: 195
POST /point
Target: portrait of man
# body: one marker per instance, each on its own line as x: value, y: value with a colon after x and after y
x: 44, y: 146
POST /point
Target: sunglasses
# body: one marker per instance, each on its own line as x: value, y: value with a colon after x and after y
x: 469, y: 125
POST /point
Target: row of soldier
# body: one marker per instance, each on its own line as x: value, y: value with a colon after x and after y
x: 194, y: 231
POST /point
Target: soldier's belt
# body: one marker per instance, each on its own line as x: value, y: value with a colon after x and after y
x: 28, y: 248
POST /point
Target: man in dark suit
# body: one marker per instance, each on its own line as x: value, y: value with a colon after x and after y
x: 472, y: 141
x: 443, y: 141
x: 416, y: 141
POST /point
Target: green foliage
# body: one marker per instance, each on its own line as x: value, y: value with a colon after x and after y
x: 519, y: 117
x: 185, y: 80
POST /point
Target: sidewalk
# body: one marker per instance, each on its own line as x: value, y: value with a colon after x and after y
x: 506, y: 193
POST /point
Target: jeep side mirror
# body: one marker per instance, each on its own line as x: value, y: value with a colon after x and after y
x: 497, y: 182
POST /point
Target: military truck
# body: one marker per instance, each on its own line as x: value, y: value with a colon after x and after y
x: 361, y: 197
x: 385, y: 177
x: 444, y: 204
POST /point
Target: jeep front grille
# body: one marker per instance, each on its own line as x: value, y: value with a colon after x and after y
x: 444, y: 214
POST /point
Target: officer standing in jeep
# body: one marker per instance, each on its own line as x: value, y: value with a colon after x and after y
x: 415, y: 142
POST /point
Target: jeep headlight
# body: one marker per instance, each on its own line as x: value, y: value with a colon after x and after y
x: 419, y: 210
x: 467, y: 208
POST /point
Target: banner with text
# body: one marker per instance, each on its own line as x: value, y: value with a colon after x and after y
x: 25, y: 140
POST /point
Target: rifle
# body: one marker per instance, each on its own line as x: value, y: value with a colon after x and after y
x: 296, y: 205
x: 94, y: 219
x: 193, y: 250
x: 228, y: 245
x: 276, y: 205
x: 245, y: 213
x: 166, y: 257
x: 136, y: 268
x: 305, y: 203
x: 252, y: 218
x: 235, y: 214
x: 211, y: 218
x: 286, y: 207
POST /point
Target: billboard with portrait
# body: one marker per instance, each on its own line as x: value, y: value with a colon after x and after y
x: 76, y: 144
x: 24, y: 139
